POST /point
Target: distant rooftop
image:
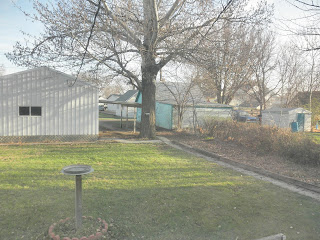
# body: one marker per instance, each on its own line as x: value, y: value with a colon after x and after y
x: 126, y: 96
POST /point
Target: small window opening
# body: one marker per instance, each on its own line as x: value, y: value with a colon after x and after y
x: 35, y: 111
x: 30, y: 111
x: 24, y: 111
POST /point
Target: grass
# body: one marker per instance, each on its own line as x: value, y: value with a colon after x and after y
x: 315, y: 137
x: 114, y: 121
x: 145, y: 192
x: 106, y: 116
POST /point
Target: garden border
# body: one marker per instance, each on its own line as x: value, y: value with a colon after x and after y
x: 301, y: 187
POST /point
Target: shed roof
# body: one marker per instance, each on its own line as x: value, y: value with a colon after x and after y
x: 69, y: 78
x: 114, y: 95
x: 198, y: 104
x: 127, y: 96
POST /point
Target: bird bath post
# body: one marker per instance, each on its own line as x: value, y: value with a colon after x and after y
x: 78, y: 171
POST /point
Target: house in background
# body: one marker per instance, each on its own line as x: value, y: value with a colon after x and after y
x: 244, y: 99
x: 298, y: 119
x: 44, y: 104
x: 111, y: 107
x: 128, y: 97
x: 169, y: 95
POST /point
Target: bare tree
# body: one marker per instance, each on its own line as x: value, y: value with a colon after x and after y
x: 261, y: 86
x: 308, y: 23
x: 184, y: 91
x: 291, y: 73
x: 225, y: 60
x: 131, y: 38
x: 113, y: 88
x: 312, y: 74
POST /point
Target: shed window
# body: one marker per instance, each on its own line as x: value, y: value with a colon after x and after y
x: 24, y: 111
x: 35, y: 111
x: 30, y: 111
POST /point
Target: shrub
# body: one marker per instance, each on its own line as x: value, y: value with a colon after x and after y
x: 264, y: 139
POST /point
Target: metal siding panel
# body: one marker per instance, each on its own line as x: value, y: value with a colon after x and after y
x: 81, y: 114
x: 69, y: 112
x: 89, y: 126
x: 72, y: 117
x: 97, y: 111
x: 77, y: 126
x: 65, y: 111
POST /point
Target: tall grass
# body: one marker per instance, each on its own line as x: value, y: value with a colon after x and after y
x: 264, y: 139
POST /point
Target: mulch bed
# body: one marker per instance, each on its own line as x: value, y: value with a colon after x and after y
x: 270, y: 162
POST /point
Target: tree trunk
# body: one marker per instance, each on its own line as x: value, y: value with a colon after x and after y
x: 310, y: 101
x: 148, y: 113
x: 179, y: 117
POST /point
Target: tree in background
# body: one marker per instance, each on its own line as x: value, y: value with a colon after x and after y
x: 291, y: 73
x: 184, y: 91
x: 225, y: 61
x: 263, y: 65
x: 312, y: 74
x: 134, y: 39
x: 308, y: 24
x: 225, y: 57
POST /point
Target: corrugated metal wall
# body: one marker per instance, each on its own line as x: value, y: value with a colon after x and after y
x: 65, y: 110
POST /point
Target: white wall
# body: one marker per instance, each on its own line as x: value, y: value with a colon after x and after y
x: 201, y: 114
x: 285, y: 118
x: 124, y: 111
x: 278, y: 119
x: 65, y: 110
x: 112, y: 107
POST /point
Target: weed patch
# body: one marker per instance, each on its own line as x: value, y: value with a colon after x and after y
x: 264, y: 139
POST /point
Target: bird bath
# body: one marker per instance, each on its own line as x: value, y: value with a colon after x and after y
x: 78, y: 171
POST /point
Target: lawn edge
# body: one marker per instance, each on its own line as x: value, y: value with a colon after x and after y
x: 260, y: 171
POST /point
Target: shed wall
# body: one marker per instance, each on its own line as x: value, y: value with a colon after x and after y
x: 65, y: 110
x: 112, y: 107
x: 164, y: 115
x: 284, y: 119
x: 201, y: 113
x: 281, y: 120
x: 307, y: 123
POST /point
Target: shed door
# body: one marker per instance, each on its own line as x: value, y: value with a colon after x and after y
x: 300, y: 121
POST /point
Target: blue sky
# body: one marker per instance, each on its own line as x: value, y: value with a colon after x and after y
x: 13, y: 21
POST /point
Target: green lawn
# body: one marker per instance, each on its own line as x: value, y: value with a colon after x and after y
x: 315, y: 136
x: 114, y: 121
x: 106, y: 116
x: 146, y: 192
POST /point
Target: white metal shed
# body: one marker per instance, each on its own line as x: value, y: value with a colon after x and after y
x: 283, y: 117
x: 45, y: 104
